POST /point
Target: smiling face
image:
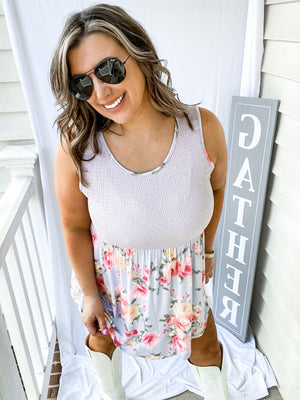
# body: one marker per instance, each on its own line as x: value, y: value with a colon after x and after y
x: 120, y: 102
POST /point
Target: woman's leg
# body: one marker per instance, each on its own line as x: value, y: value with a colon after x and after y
x: 107, y: 362
x: 102, y: 344
x: 206, y: 350
x: 207, y: 363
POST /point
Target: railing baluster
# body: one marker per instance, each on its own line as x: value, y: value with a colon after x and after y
x: 17, y: 334
x: 39, y: 264
x: 35, y: 291
x: 27, y: 314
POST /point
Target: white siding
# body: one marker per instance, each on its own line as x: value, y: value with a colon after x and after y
x: 275, y: 314
x: 14, y: 122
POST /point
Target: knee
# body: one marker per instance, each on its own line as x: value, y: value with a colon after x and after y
x: 102, y: 344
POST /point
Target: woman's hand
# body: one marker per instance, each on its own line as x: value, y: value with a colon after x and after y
x: 93, y: 315
x: 209, y: 267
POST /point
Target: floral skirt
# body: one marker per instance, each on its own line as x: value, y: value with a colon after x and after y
x: 155, y: 299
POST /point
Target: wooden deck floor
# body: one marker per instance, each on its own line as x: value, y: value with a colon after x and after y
x: 274, y: 394
x: 55, y: 375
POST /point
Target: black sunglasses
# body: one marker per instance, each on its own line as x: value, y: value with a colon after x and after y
x: 111, y: 71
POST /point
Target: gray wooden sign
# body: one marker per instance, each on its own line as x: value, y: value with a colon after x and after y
x: 250, y: 145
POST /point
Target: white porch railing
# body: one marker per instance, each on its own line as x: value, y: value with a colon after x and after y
x: 27, y: 324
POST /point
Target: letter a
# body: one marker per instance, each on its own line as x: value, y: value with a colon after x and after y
x: 245, y: 170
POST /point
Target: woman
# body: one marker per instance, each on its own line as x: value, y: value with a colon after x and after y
x: 139, y: 178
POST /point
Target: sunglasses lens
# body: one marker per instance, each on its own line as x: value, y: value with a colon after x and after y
x: 81, y: 87
x: 111, y: 71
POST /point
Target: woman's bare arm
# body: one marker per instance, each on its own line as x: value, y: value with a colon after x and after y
x: 76, y: 228
x: 216, y: 148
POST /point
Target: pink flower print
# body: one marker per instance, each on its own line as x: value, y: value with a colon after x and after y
x: 164, y: 281
x: 195, y: 316
x: 174, y: 268
x: 124, y: 306
x: 133, y: 333
x: 113, y: 336
x: 129, y: 252
x: 183, y: 324
x: 169, y: 319
x: 150, y: 340
x: 185, y: 267
x: 139, y: 291
x: 109, y: 260
x: 100, y: 284
x: 94, y: 238
x: 146, y: 275
x: 180, y: 344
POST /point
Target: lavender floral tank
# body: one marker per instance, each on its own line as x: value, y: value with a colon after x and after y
x: 147, y: 231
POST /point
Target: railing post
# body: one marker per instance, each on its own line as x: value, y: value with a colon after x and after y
x: 22, y: 161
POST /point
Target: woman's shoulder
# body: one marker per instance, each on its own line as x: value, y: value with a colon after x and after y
x: 213, y: 133
x: 208, y: 117
x: 64, y: 164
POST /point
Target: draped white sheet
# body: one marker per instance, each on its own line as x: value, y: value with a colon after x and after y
x: 204, y: 43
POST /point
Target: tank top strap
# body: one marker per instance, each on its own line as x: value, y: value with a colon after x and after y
x: 195, y: 118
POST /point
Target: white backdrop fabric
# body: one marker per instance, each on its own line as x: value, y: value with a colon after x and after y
x: 203, y: 42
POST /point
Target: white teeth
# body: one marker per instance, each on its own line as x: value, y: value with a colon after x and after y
x: 116, y: 103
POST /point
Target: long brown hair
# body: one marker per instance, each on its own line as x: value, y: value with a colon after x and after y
x: 79, y: 123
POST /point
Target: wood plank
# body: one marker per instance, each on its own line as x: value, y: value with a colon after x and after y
x: 15, y: 126
x: 271, y: 243
x: 288, y: 134
x: 282, y: 21
x: 8, y: 70
x: 267, y: 343
x: 4, y: 37
x: 12, y: 98
x: 268, y: 2
x: 285, y: 371
x: 286, y: 198
x: 288, y: 92
x: 282, y: 59
x: 287, y: 230
x: 286, y: 166
x: 270, y: 278
x: 270, y: 325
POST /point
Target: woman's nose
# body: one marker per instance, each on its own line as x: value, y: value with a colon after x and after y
x: 100, y: 89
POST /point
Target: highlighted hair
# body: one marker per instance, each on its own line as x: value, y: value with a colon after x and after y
x: 79, y: 123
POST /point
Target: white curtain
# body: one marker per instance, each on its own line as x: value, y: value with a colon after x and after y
x: 203, y: 42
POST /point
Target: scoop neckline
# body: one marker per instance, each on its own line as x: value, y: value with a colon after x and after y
x: 153, y: 171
